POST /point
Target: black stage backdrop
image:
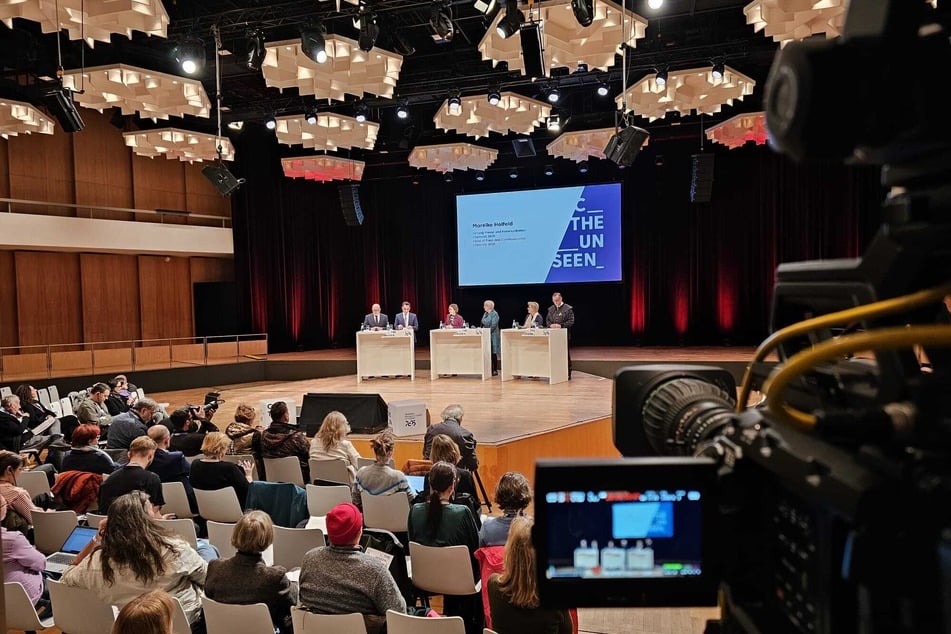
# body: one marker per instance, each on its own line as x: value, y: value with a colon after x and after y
x: 695, y: 274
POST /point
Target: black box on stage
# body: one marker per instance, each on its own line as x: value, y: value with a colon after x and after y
x: 367, y: 413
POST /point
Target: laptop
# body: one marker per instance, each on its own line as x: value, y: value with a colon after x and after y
x: 417, y: 482
x: 77, y: 540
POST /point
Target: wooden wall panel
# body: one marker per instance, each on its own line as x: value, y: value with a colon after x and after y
x: 49, y: 298
x: 8, y: 308
x: 165, y: 297
x: 4, y: 169
x: 158, y: 184
x: 203, y: 198
x: 103, y: 167
x: 41, y: 168
x: 211, y: 269
x: 110, y: 286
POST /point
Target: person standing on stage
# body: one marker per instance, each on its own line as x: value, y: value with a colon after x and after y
x: 406, y: 319
x: 534, y: 318
x: 453, y: 318
x: 490, y: 320
x: 561, y: 315
x: 375, y: 320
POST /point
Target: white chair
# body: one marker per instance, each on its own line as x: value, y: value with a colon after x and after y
x: 242, y: 457
x: 35, y: 482
x: 51, y: 528
x: 44, y: 396
x: 399, y: 623
x: 390, y: 512
x: 291, y: 544
x: 305, y: 622
x: 228, y: 618
x: 183, y: 527
x: 219, y: 534
x: 93, y: 520
x: 488, y: 630
x: 220, y: 505
x: 5, y: 391
x: 78, y: 610
x: 286, y: 469
x: 180, y: 624
x: 140, y: 393
x: 442, y: 569
x: 321, y: 499
x: 53, y: 391
x: 329, y: 469
x: 176, y: 500
x: 21, y: 614
x: 66, y: 405
x: 57, y: 408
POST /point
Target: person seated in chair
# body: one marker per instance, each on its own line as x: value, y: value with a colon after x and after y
x: 188, y: 430
x: 93, y: 409
x: 129, y: 425
x: 283, y: 439
x: 380, y: 478
x: 513, y: 494
x: 24, y: 564
x: 444, y: 449
x: 85, y: 454
x: 15, y: 434
x: 170, y: 466
x: 451, y: 425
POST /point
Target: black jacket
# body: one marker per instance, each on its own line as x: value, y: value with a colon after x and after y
x: 11, y: 431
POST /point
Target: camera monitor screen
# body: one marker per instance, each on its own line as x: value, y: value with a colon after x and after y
x: 625, y: 532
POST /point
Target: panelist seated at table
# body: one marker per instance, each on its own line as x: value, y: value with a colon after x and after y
x: 375, y: 319
x: 453, y: 318
x: 406, y: 319
x: 533, y: 319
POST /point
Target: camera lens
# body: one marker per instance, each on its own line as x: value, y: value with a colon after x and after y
x: 682, y: 413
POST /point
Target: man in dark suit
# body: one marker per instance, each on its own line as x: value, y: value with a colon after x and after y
x: 171, y: 466
x: 406, y: 319
x: 375, y: 319
x: 561, y: 315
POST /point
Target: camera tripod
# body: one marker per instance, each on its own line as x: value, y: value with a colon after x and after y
x: 485, y: 497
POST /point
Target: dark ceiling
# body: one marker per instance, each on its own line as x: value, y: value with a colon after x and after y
x: 683, y: 34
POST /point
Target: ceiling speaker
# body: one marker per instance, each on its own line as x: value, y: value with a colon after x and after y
x: 223, y: 180
x: 59, y: 101
x: 533, y: 54
x: 701, y: 177
x: 625, y: 145
x: 350, y: 204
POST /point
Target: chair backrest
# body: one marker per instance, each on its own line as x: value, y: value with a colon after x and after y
x: 35, y: 482
x: 78, y: 610
x: 176, y: 500
x: 329, y: 469
x: 5, y: 391
x: 291, y: 544
x: 94, y: 519
x: 399, y: 623
x: 488, y: 630
x: 180, y: 624
x: 21, y: 615
x: 442, y: 569
x: 220, y: 505
x: 51, y: 528
x: 67, y: 406
x: 320, y: 499
x: 242, y: 457
x: 286, y: 469
x: 219, y: 534
x: 183, y: 527
x: 53, y: 391
x: 386, y: 511
x: 43, y: 395
x: 140, y: 393
x: 227, y: 618
x: 56, y: 407
x: 305, y: 622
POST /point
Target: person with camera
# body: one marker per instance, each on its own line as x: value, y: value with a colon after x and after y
x: 189, y: 428
x: 451, y: 425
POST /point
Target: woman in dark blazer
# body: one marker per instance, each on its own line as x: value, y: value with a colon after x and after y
x: 245, y: 578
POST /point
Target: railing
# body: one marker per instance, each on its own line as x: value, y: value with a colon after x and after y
x: 10, y: 205
x: 71, y: 359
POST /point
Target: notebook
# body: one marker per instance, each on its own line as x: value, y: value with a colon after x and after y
x: 77, y: 540
x: 416, y: 481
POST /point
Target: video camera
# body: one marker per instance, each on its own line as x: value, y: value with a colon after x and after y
x: 824, y: 506
x: 212, y: 403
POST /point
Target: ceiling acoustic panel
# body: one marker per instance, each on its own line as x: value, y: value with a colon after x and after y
x: 17, y: 117
x: 91, y: 20
x: 330, y: 132
x: 790, y: 20
x: 183, y: 145
x: 323, y: 168
x: 452, y: 156
x: 477, y: 117
x: 692, y: 90
x: 740, y: 130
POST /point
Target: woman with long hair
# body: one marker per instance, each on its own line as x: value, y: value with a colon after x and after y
x: 380, y: 478
x: 132, y: 555
x: 331, y: 443
x: 20, y: 506
x: 150, y: 613
x: 513, y: 594
x: 445, y: 449
x: 243, y: 430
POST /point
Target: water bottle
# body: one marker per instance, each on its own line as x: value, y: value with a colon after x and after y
x: 465, y: 325
x: 514, y: 324
x: 389, y: 327
x: 441, y: 325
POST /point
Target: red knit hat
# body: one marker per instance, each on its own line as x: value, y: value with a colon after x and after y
x: 344, y: 523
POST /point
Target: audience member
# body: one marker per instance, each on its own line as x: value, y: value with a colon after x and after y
x: 93, y: 409
x: 444, y: 449
x: 380, y: 478
x: 340, y: 578
x: 170, y: 466
x: 38, y: 413
x: 513, y: 594
x: 129, y: 425
x: 15, y: 434
x: 133, y: 476
x: 243, y: 430
x: 331, y: 442
x: 211, y: 473
x: 513, y: 494
x: 283, y: 439
x: 451, y: 425
x: 120, y: 400
x: 149, y: 613
x: 132, y: 555
x: 24, y: 564
x: 85, y: 454
x: 245, y: 578
x: 20, y: 506
x: 188, y: 430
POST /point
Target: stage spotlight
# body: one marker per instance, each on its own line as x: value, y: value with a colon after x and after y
x: 603, y: 89
x: 494, y: 97
x: 455, y: 105
x: 190, y: 55
x: 584, y: 11
x: 312, y: 116
x: 554, y: 123
x: 480, y: 176
x: 717, y: 71
x: 369, y: 31
x: 513, y: 173
x: 313, y: 44
x: 402, y: 45
x: 440, y: 19
x: 655, y: 4
x: 255, y: 53
x: 403, y: 111
x: 361, y: 113
x: 583, y: 167
x: 554, y: 95
x: 270, y: 123
x: 488, y: 8
x: 237, y: 126
x: 582, y: 68
x: 511, y: 22
x: 549, y: 170
x: 447, y: 177
x: 661, y: 77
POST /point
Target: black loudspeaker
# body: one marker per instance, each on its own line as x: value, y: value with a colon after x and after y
x: 701, y: 178
x: 350, y: 205
x: 367, y: 413
x: 59, y: 101
x: 223, y: 180
x: 532, y: 53
x: 625, y: 145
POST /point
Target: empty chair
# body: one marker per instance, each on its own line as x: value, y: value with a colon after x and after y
x: 53, y: 391
x: 183, y: 527
x: 5, y: 391
x: 43, y: 395
x: 66, y: 405
x: 78, y: 610
x: 57, y: 408
x: 20, y: 611
x: 176, y: 500
x: 399, y: 623
x: 329, y: 470
x: 291, y: 544
x: 286, y: 469
x: 228, y: 618
x: 94, y: 519
x: 220, y: 505
x: 140, y: 393
x: 219, y: 534
x: 35, y: 482
x: 51, y: 529
x: 305, y: 622
x: 445, y: 570
x: 386, y: 511
x: 321, y: 499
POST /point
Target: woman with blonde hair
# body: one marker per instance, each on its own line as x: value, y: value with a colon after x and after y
x: 150, y: 613
x: 243, y: 430
x: 211, y: 473
x: 513, y: 594
x: 533, y: 319
x: 331, y: 443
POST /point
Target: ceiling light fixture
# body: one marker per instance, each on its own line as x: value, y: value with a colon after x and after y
x: 554, y: 95
x: 582, y: 68
x: 237, y: 126
x: 718, y: 69
x: 511, y: 22
x: 270, y: 123
x: 361, y: 113
x: 402, y: 45
x: 190, y: 55
x: 583, y: 167
x: 655, y: 4
x: 554, y: 123
x: 488, y: 8
x: 661, y: 77
x: 603, y: 89
x: 312, y: 116
x: 549, y: 170
x: 480, y: 176
x: 584, y: 11
x: 369, y: 31
x: 255, y: 52
x: 447, y: 177
x: 455, y: 105
x: 513, y: 173
x: 440, y: 19
x: 494, y: 97
x: 313, y: 44
x: 402, y: 111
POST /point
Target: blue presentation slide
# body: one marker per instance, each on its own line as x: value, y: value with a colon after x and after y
x: 638, y: 520
x: 540, y: 236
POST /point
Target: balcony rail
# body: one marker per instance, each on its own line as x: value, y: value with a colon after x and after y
x: 16, y: 205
